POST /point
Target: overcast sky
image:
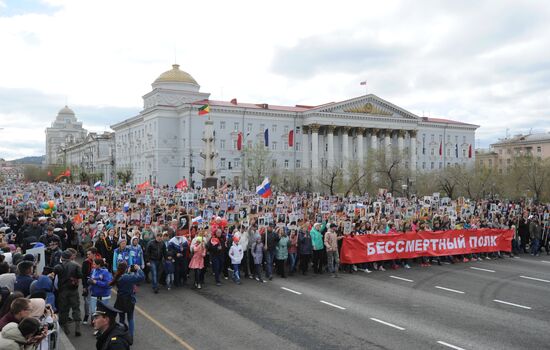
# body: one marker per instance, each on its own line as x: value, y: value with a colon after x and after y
x: 481, y: 62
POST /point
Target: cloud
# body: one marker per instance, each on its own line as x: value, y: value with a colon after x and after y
x: 482, y: 62
x: 26, y: 113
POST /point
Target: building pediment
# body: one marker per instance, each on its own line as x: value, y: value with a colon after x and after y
x: 368, y: 105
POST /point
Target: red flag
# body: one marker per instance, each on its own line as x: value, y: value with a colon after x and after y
x: 143, y: 186
x: 470, y: 151
x: 440, y: 148
x: 239, y: 141
x: 67, y: 173
x: 49, y: 173
x: 182, y: 184
x: 291, y: 138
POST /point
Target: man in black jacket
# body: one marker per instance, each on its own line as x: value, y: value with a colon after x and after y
x: 154, y: 254
x: 111, y: 335
x: 69, y: 274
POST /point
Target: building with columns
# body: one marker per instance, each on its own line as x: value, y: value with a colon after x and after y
x: 66, y: 129
x: 162, y: 144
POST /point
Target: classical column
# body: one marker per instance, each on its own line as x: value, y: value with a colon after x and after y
x: 315, y: 147
x: 305, y: 147
x: 345, y: 147
x: 330, y: 142
x: 412, y: 150
x: 374, y: 139
x: 400, y: 141
x: 387, y: 139
x: 359, y: 134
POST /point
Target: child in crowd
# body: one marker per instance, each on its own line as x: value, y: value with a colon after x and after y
x: 236, y: 255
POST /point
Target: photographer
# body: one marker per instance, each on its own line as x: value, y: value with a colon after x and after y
x: 125, y: 280
x: 28, y: 332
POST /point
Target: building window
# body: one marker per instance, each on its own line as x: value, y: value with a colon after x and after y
x: 234, y: 144
x: 286, y: 163
x: 298, y: 163
x: 235, y: 126
x: 222, y: 125
x: 297, y: 145
x: 432, y: 165
x: 297, y: 130
x: 432, y: 152
x: 229, y: 166
x: 237, y: 163
x: 249, y: 144
x: 274, y: 128
x: 440, y: 165
x: 448, y: 152
x: 286, y: 129
x: 222, y: 144
x: 249, y: 127
x: 274, y: 145
x: 490, y: 162
x: 249, y: 163
x: 274, y: 163
x: 463, y: 139
x: 222, y: 163
x: 508, y: 161
x: 285, y: 145
x: 464, y: 153
x: 539, y: 149
x: 433, y: 138
x: 326, y: 147
x: 262, y: 127
x: 423, y: 165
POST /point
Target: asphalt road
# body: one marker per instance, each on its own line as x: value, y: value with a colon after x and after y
x: 493, y: 304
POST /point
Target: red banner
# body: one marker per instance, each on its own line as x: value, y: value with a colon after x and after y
x: 377, y: 247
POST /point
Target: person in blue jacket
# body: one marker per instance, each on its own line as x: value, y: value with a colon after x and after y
x: 136, y: 253
x: 99, y: 283
x: 125, y: 280
x: 122, y: 253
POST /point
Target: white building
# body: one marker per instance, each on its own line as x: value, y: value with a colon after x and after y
x: 162, y: 144
x: 94, y: 155
x: 64, y: 130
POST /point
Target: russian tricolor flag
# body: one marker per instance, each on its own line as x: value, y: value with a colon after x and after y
x: 97, y: 186
x: 264, y: 190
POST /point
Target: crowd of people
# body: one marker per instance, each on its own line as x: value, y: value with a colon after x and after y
x: 65, y: 246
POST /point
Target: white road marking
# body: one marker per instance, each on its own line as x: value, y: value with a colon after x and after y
x: 333, y: 305
x: 477, y: 268
x: 291, y: 291
x: 516, y: 305
x: 450, y: 345
x: 450, y: 290
x: 545, y: 261
x: 387, y: 324
x: 402, y: 279
x: 535, y: 279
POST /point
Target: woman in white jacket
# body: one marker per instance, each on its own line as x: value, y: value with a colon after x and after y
x: 236, y: 255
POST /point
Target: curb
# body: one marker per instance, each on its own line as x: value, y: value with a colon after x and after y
x: 65, y: 342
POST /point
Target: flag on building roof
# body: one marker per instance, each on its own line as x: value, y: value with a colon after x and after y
x: 264, y: 190
x: 266, y: 137
x: 204, y: 110
x: 291, y: 138
x: 182, y: 185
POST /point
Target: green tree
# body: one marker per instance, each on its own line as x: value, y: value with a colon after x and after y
x: 124, y: 176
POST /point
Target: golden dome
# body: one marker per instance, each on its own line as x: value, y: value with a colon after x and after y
x: 175, y: 75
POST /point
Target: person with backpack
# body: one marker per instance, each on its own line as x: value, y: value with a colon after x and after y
x: 69, y: 274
